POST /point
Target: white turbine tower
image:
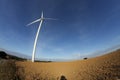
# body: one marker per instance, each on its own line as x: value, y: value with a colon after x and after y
x: 37, y: 34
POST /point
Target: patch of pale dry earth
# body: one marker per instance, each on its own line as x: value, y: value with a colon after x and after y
x: 106, y: 67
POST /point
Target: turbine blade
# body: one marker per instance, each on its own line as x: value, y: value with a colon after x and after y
x: 50, y: 19
x: 42, y: 14
x: 34, y: 22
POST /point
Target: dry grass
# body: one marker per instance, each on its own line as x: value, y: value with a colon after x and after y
x: 105, y: 67
x: 7, y: 70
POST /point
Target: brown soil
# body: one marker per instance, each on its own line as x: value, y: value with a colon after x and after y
x: 106, y: 67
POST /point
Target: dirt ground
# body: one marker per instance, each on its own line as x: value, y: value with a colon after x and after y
x: 106, y: 67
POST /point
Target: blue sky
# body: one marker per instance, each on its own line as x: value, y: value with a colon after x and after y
x: 83, y: 27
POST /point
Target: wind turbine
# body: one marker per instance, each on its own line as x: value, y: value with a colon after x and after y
x: 37, y: 34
